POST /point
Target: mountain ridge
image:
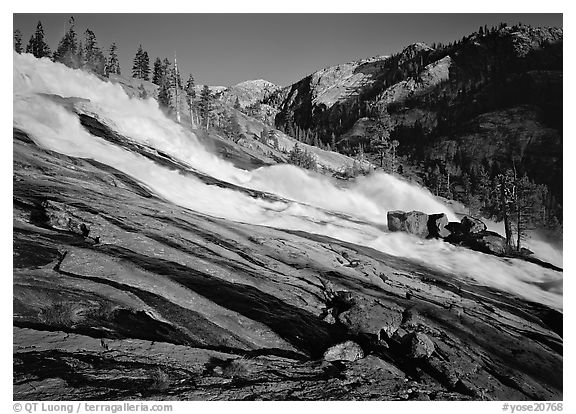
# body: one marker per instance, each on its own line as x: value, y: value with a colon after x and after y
x: 438, y: 96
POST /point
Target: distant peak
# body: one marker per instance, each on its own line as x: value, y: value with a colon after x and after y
x: 417, y: 47
x: 256, y: 82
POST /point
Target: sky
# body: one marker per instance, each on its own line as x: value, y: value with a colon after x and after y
x: 225, y: 49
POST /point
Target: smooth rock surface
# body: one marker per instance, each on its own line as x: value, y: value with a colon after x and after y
x: 175, y: 305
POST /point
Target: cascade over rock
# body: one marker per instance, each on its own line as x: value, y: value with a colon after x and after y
x: 145, y: 267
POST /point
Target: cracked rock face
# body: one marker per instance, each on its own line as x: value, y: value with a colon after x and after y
x: 170, y: 304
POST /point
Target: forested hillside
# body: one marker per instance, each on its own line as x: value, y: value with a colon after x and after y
x: 461, y: 113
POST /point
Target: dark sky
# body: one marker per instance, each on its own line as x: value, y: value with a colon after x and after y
x: 224, y: 49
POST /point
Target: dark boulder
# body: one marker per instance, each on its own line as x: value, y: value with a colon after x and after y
x: 487, y: 242
x: 472, y: 233
x: 413, y: 222
x: 455, y: 228
x: 472, y: 225
x: 437, y: 225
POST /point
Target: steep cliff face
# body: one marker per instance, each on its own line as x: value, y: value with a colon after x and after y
x: 432, y: 75
x: 302, y: 103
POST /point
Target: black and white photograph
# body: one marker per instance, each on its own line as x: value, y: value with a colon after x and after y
x: 286, y: 207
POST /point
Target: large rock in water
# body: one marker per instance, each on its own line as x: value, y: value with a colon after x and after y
x: 396, y: 220
x: 472, y: 225
x: 455, y: 228
x: 487, y: 242
x: 471, y: 232
x: 346, y: 351
x: 413, y: 222
x: 419, y: 224
x: 437, y: 225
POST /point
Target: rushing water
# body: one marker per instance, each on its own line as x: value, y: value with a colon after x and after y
x: 310, y: 201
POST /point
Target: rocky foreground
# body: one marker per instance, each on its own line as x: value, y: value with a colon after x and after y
x: 121, y: 295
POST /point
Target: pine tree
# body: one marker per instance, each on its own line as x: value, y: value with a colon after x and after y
x: 379, y: 133
x: 137, y: 65
x: 435, y: 179
x: 67, y: 51
x: 178, y: 79
x: 164, y: 95
x: 190, y: 96
x: 113, y: 64
x: 145, y: 66
x: 30, y: 45
x: 450, y: 171
x: 95, y: 60
x: 302, y: 159
x: 18, y: 41
x: 294, y: 154
x: 165, y: 66
x: 528, y: 207
x: 205, y: 105
x: 158, y: 72
x: 237, y: 104
x: 233, y: 128
x: 80, y: 58
x: 37, y: 46
x: 504, y: 188
x: 482, y: 186
x: 168, y: 70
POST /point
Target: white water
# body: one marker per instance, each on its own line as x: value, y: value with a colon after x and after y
x: 312, y: 196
